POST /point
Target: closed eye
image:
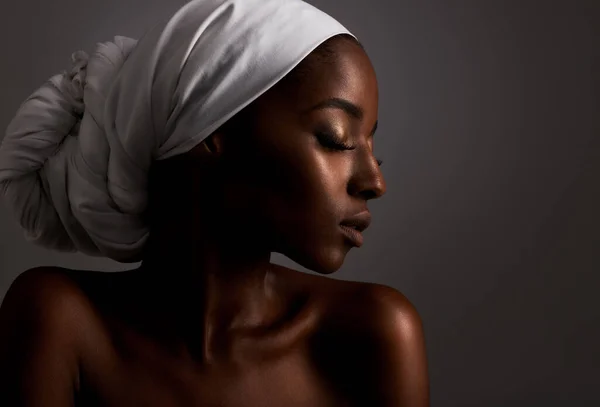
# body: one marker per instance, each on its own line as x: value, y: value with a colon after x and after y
x: 330, y: 141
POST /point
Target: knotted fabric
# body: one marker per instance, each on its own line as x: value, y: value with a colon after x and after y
x: 75, y: 159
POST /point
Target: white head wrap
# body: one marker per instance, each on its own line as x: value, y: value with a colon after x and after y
x: 75, y: 160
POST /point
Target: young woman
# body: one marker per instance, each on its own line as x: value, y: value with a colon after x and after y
x: 234, y: 130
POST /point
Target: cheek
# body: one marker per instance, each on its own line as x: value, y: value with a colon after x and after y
x: 304, y: 212
x: 294, y: 190
x: 309, y: 182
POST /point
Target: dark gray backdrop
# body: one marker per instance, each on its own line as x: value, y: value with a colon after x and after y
x: 489, y: 125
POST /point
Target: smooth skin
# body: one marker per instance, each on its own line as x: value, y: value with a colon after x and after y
x: 207, y: 320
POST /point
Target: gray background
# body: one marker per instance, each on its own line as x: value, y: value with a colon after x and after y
x: 489, y: 125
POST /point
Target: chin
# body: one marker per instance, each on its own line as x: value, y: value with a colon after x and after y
x: 323, y: 261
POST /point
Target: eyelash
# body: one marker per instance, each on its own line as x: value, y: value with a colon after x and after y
x: 332, y: 142
x: 329, y: 141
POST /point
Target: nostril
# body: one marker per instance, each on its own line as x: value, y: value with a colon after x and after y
x: 369, y: 194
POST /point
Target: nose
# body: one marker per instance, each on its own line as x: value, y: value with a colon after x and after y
x: 367, y: 181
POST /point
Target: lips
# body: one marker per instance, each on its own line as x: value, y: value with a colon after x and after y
x: 358, y: 222
x: 353, y: 226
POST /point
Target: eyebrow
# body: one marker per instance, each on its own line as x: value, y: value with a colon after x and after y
x: 345, y: 105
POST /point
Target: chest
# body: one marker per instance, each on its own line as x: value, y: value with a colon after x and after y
x: 145, y: 377
x: 290, y: 381
x: 291, y: 369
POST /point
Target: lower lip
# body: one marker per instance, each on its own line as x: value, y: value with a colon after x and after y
x: 353, y: 235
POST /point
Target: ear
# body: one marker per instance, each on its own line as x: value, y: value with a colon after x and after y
x: 215, y: 143
x: 212, y: 146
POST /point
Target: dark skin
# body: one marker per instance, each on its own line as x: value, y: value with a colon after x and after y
x: 207, y: 320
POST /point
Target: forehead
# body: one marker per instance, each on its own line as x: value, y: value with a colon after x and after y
x: 346, y: 74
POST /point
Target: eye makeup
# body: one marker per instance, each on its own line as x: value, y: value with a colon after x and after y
x: 331, y: 141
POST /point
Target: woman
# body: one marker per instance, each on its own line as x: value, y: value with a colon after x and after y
x: 236, y: 129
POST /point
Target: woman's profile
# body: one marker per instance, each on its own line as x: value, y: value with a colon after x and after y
x: 235, y: 129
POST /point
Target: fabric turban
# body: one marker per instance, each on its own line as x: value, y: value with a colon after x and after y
x: 75, y: 159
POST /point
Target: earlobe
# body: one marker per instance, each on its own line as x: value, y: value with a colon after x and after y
x: 214, y: 143
x: 212, y: 146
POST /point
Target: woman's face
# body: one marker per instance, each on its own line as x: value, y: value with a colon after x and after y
x: 305, y: 166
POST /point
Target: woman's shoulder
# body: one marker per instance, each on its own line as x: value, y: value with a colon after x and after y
x: 353, y: 301
x: 46, y: 285
x: 57, y: 300
x: 42, y: 325
x: 365, y: 308
x: 62, y: 306
x: 49, y: 297
x: 357, y: 311
x: 56, y: 285
x: 369, y: 337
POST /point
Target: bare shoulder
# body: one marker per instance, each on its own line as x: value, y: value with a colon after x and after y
x: 54, y: 301
x: 41, y: 323
x: 388, y: 311
x: 44, y: 295
x: 47, y: 301
x: 375, y: 346
x: 374, y: 308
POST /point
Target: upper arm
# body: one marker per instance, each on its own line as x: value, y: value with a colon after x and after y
x: 38, y: 352
x: 400, y: 356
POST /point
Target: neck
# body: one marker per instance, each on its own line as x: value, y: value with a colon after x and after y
x: 210, y: 283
